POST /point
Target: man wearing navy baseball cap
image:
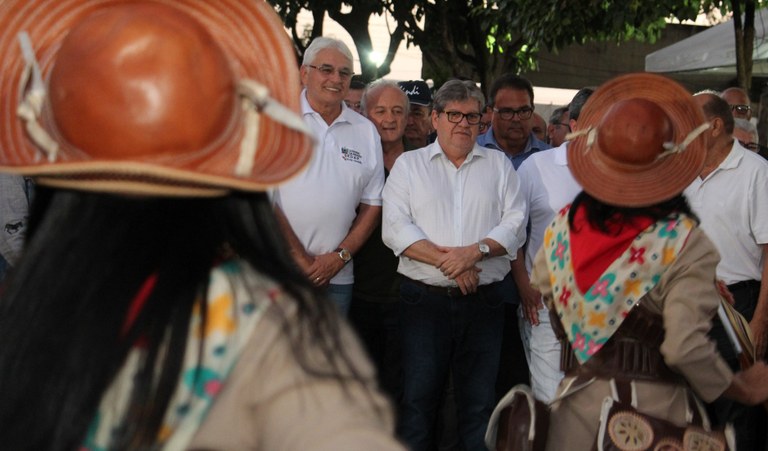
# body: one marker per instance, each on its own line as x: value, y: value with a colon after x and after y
x: 418, y: 127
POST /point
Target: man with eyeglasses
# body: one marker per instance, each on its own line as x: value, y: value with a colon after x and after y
x: 329, y: 210
x: 511, y: 98
x: 453, y: 214
x: 738, y: 100
x: 558, y: 126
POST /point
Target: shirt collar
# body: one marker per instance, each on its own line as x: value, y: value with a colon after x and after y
x: 734, y: 156
x: 306, y: 109
x: 487, y: 139
x: 478, y: 151
x: 560, y: 154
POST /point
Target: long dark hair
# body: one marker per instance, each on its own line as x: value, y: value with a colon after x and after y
x: 610, y: 219
x: 64, y: 306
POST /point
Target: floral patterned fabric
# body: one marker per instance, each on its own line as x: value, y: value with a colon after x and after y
x: 591, y: 318
x: 234, y: 309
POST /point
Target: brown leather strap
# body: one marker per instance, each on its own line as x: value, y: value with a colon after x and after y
x: 632, y: 353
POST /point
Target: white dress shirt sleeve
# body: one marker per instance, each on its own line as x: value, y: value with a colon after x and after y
x: 510, y: 232
x: 398, y: 230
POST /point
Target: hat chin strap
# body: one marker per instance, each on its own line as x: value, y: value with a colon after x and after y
x: 255, y: 100
x: 591, y: 133
x: 671, y: 148
x: 31, y: 105
x: 678, y: 148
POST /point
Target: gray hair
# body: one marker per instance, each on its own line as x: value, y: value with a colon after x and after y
x: 747, y: 126
x: 375, y: 87
x: 557, y: 113
x: 458, y: 91
x: 578, y: 101
x: 322, y: 43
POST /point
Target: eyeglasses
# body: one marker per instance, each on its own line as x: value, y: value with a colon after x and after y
x: 327, y: 70
x: 508, y: 113
x: 741, y: 109
x: 751, y: 146
x: 353, y: 105
x: 562, y: 124
x: 456, y: 117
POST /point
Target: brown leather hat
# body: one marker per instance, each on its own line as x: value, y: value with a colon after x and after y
x: 155, y: 97
x: 639, y: 141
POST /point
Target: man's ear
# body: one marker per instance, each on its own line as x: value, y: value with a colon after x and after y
x: 717, y: 128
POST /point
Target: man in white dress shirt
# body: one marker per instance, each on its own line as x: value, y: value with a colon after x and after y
x: 453, y: 214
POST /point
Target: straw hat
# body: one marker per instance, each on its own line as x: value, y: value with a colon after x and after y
x: 156, y: 97
x: 639, y: 142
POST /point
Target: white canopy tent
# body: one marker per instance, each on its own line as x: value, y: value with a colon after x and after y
x: 711, y: 53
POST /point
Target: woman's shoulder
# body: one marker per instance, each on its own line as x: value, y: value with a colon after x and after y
x: 237, y: 283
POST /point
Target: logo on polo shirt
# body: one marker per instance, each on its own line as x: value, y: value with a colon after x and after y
x: 351, y: 155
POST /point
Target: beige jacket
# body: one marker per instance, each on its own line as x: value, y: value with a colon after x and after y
x: 687, y: 300
x: 271, y: 403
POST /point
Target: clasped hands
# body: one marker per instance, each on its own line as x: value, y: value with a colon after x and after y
x: 320, y: 269
x: 458, y: 264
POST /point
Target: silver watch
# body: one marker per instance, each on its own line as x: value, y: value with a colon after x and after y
x: 484, y: 249
x: 344, y: 254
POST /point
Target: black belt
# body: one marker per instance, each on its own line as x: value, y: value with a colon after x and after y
x: 453, y: 292
x: 743, y: 285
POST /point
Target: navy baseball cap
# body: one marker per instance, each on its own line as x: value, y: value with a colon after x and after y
x: 418, y: 92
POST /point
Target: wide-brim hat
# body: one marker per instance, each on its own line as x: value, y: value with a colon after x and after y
x: 639, y: 141
x: 195, y: 98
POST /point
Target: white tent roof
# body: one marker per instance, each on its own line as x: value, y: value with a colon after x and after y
x: 712, y: 50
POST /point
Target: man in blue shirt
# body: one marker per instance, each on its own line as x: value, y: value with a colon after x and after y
x: 511, y: 97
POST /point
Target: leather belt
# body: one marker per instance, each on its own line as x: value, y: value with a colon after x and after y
x: 453, y: 292
x: 744, y: 284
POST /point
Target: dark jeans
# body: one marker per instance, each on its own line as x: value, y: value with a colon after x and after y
x: 378, y: 326
x: 748, y: 422
x: 443, y: 334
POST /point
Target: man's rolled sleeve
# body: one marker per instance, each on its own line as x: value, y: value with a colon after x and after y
x: 510, y: 232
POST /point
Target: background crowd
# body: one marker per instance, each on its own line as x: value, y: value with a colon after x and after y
x: 418, y: 217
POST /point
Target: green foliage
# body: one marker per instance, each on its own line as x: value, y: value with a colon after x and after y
x: 482, y: 38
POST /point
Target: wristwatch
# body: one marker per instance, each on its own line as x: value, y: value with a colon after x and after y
x: 484, y: 249
x: 344, y: 254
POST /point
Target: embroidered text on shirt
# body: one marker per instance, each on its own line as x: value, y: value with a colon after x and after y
x: 351, y: 155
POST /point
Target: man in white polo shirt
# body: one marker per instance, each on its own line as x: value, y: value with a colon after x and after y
x: 731, y: 199
x: 330, y: 209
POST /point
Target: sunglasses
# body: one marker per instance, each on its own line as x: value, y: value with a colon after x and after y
x: 741, y: 109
